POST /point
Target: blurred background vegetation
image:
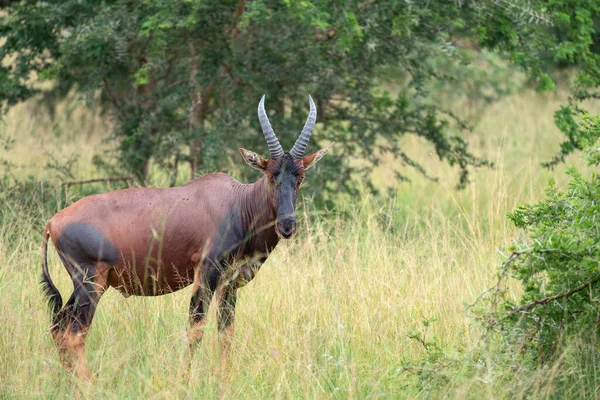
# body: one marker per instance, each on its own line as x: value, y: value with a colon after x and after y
x: 446, y: 116
x: 179, y: 81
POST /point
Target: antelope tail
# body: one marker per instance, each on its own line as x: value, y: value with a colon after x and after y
x: 48, y: 289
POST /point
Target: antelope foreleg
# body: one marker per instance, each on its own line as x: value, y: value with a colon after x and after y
x: 227, y: 298
x: 198, y: 309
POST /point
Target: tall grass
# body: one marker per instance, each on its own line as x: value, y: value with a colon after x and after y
x: 368, y: 301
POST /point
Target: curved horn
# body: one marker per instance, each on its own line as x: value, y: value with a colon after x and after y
x: 299, y: 148
x: 274, y: 146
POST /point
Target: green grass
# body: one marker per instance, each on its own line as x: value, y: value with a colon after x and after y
x: 334, y: 313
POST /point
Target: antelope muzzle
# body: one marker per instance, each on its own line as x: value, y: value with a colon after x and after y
x: 286, y: 227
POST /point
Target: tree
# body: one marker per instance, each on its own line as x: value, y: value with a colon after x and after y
x: 182, y: 79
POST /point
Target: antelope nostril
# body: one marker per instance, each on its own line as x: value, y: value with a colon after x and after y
x: 287, y: 227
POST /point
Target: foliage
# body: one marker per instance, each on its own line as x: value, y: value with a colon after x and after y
x: 578, y: 32
x: 477, y: 79
x: 182, y: 79
x: 568, y: 35
x: 557, y: 264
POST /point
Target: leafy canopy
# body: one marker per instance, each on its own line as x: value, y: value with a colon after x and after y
x: 181, y: 79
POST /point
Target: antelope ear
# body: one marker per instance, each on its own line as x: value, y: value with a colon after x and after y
x: 312, y: 159
x: 253, y: 159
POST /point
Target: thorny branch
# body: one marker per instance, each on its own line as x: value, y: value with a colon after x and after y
x: 524, y: 10
x: 552, y: 298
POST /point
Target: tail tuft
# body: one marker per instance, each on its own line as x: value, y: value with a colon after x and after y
x: 52, y: 294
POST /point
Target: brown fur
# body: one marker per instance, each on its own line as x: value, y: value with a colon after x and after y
x: 162, y: 233
x: 71, y: 350
x: 214, y: 232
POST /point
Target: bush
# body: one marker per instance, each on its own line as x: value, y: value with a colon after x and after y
x: 558, y: 265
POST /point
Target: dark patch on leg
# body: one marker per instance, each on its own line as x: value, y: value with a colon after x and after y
x: 226, y: 246
x: 204, y: 288
x: 72, y: 322
x: 226, y: 310
x: 199, y: 306
x: 82, y: 242
x: 226, y: 318
x: 81, y: 306
x: 203, y: 292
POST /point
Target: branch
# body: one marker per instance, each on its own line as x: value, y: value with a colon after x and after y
x: 552, y: 298
x: 412, y: 163
x: 420, y: 340
x: 237, y: 17
x: 365, y: 4
x: 109, y: 179
x: 533, y: 14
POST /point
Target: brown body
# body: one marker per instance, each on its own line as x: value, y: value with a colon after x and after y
x: 214, y: 232
x: 162, y: 235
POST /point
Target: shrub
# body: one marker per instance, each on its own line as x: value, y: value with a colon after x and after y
x: 558, y: 265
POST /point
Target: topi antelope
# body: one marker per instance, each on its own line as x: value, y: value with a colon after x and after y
x: 213, y: 232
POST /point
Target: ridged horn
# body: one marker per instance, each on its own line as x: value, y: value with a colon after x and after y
x: 275, y: 148
x: 299, y: 148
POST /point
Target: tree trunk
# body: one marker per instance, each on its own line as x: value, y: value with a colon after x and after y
x: 147, y: 172
x: 173, y: 178
x: 197, y: 113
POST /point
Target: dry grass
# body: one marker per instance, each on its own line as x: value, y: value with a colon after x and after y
x: 330, y: 314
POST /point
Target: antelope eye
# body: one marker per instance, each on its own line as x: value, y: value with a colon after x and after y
x: 276, y: 179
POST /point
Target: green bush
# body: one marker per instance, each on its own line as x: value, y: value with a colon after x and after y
x: 558, y: 265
